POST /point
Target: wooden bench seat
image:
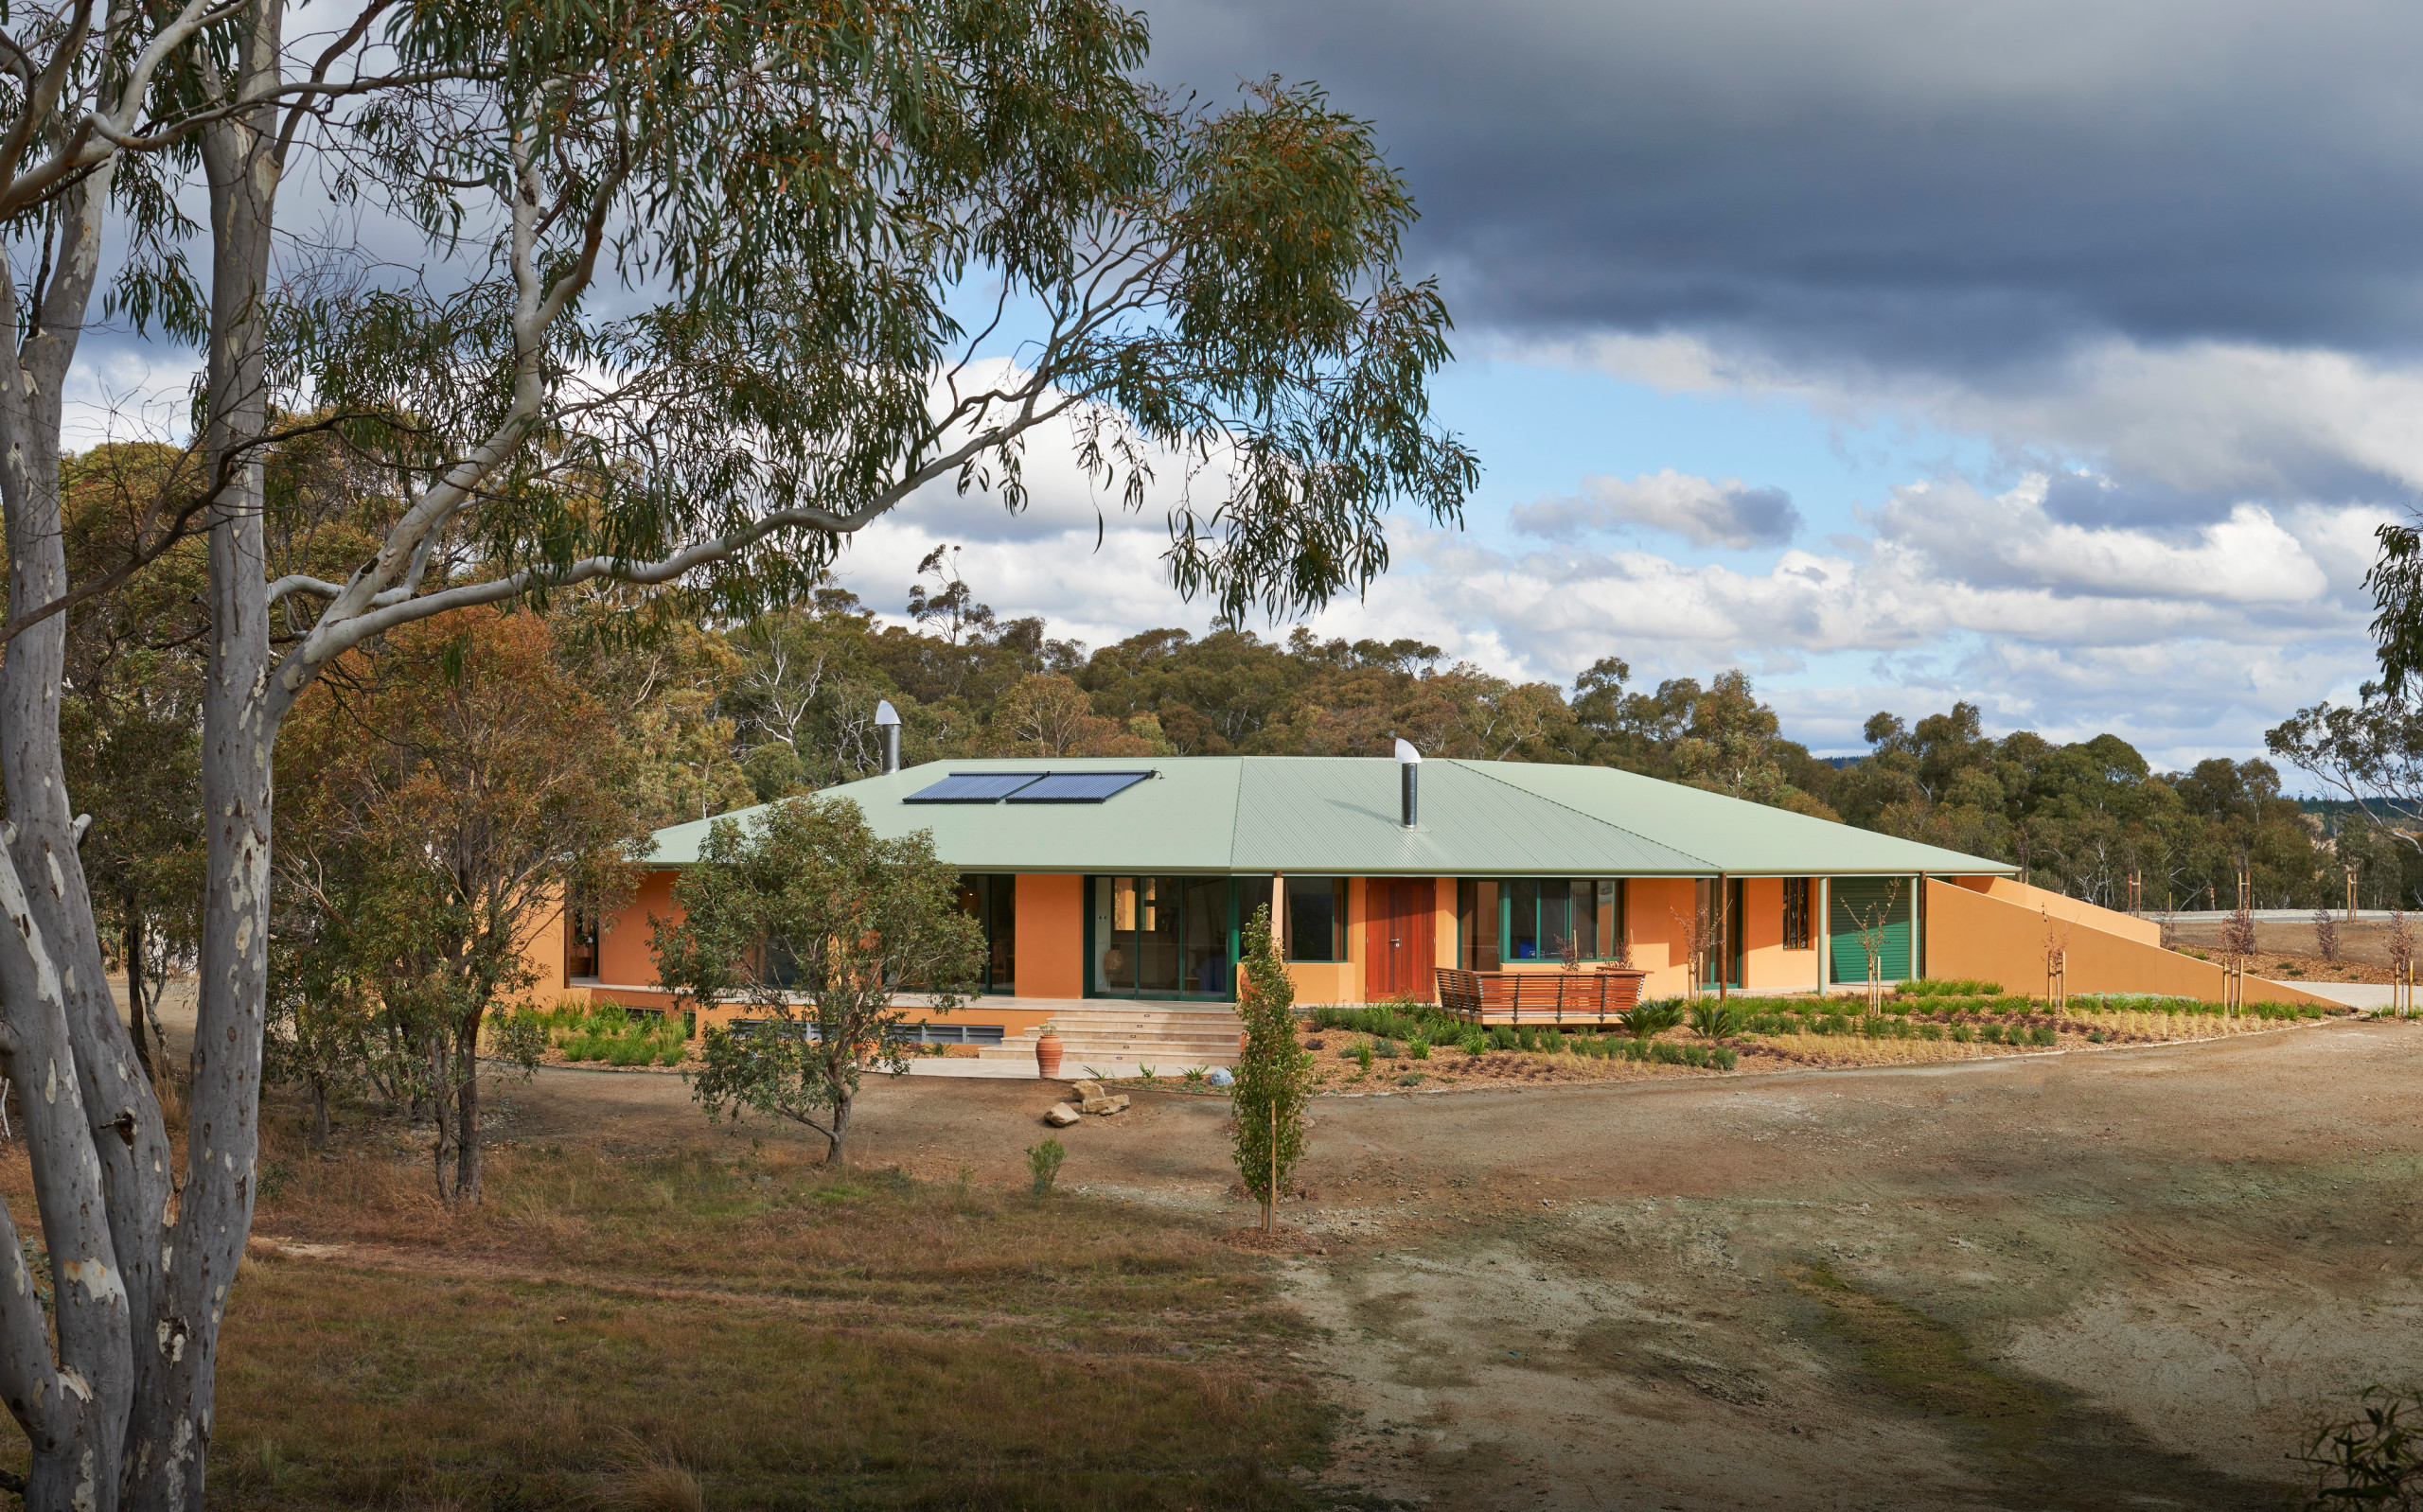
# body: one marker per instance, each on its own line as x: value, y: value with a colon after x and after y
x: 1599, y: 996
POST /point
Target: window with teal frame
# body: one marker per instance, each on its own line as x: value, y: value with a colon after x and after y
x: 1539, y: 916
x: 1163, y: 937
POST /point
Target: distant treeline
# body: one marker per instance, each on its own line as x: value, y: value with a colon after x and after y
x: 804, y: 685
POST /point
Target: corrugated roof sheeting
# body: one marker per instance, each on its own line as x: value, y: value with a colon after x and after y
x: 1339, y: 815
x: 1743, y: 838
x: 1184, y: 820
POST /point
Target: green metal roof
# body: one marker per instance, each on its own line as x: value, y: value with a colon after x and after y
x: 1743, y: 838
x: 1337, y: 815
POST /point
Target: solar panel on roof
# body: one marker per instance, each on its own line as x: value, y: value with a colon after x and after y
x: 973, y: 787
x: 1077, y: 787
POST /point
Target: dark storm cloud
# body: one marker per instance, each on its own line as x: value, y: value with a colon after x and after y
x: 1894, y: 186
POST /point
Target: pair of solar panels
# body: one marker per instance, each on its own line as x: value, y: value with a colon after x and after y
x: 1027, y: 787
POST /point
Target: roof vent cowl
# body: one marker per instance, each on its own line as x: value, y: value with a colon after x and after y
x: 1409, y: 776
x: 887, y: 725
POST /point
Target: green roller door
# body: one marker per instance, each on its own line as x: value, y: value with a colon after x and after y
x: 1859, y: 903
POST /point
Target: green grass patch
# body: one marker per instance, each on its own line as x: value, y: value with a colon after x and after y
x: 1927, y: 1365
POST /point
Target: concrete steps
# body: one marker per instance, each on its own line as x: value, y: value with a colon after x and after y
x: 1164, y: 1036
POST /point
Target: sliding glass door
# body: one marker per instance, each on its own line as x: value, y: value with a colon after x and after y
x: 1161, y: 937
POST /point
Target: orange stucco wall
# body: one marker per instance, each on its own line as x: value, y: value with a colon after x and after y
x: 1981, y: 936
x: 1985, y: 927
x: 1656, y: 916
x: 2073, y: 911
x: 626, y: 936
x: 542, y: 951
x: 1051, y: 936
x: 1766, y: 965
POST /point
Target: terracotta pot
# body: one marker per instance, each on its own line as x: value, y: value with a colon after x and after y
x: 1047, y: 1056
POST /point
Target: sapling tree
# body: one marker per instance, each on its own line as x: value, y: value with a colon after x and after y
x: 1703, y: 935
x: 2057, y: 957
x: 2399, y: 942
x: 1274, y: 1078
x: 813, y: 926
x: 1873, y: 925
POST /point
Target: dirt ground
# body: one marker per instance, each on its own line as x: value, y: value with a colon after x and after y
x: 2289, y: 951
x: 2141, y: 1272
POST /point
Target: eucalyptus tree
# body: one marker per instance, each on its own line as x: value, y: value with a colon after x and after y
x: 105, y: 107
x: 688, y: 321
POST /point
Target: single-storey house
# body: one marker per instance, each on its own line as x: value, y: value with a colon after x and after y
x: 1115, y: 891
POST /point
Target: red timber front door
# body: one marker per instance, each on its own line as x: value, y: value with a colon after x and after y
x: 1399, y: 960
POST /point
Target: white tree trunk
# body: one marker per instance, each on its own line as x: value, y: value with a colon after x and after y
x: 168, y: 1440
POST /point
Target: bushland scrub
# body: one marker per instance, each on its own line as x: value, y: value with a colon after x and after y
x: 782, y: 1334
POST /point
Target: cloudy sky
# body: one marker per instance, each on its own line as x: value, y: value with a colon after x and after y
x: 2053, y: 355
x: 2058, y: 355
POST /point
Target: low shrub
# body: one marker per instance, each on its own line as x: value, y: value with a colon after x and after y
x: 1991, y: 1033
x: 1931, y: 1031
x: 1363, y: 1056
x: 1474, y: 1043
x: 1929, y: 987
x: 1963, y: 1033
x: 2043, y: 1034
x: 1553, y: 1042
x: 1525, y: 1039
x: 1418, y: 1048
x: 1725, y: 1059
x: 1043, y: 1166
x: 1396, y: 1019
x: 1502, y: 1038
x: 2371, y: 1460
x: 1714, y: 1021
x: 1651, y: 1019
x: 1665, y: 1052
x: 1384, y: 1048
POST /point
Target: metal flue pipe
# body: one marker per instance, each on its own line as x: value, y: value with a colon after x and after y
x: 1409, y: 777
x: 887, y: 723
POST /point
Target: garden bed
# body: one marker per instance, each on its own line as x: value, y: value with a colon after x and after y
x: 1411, y: 1047
x: 606, y: 1037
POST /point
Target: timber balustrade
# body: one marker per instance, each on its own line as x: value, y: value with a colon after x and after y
x: 1598, y: 996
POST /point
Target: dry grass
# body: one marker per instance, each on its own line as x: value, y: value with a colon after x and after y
x: 773, y: 1223
x: 702, y: 1331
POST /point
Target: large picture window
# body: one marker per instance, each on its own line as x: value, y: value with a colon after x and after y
x: 1316, y: 919
x: 1161, y: 937
x: 1518, y: 919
